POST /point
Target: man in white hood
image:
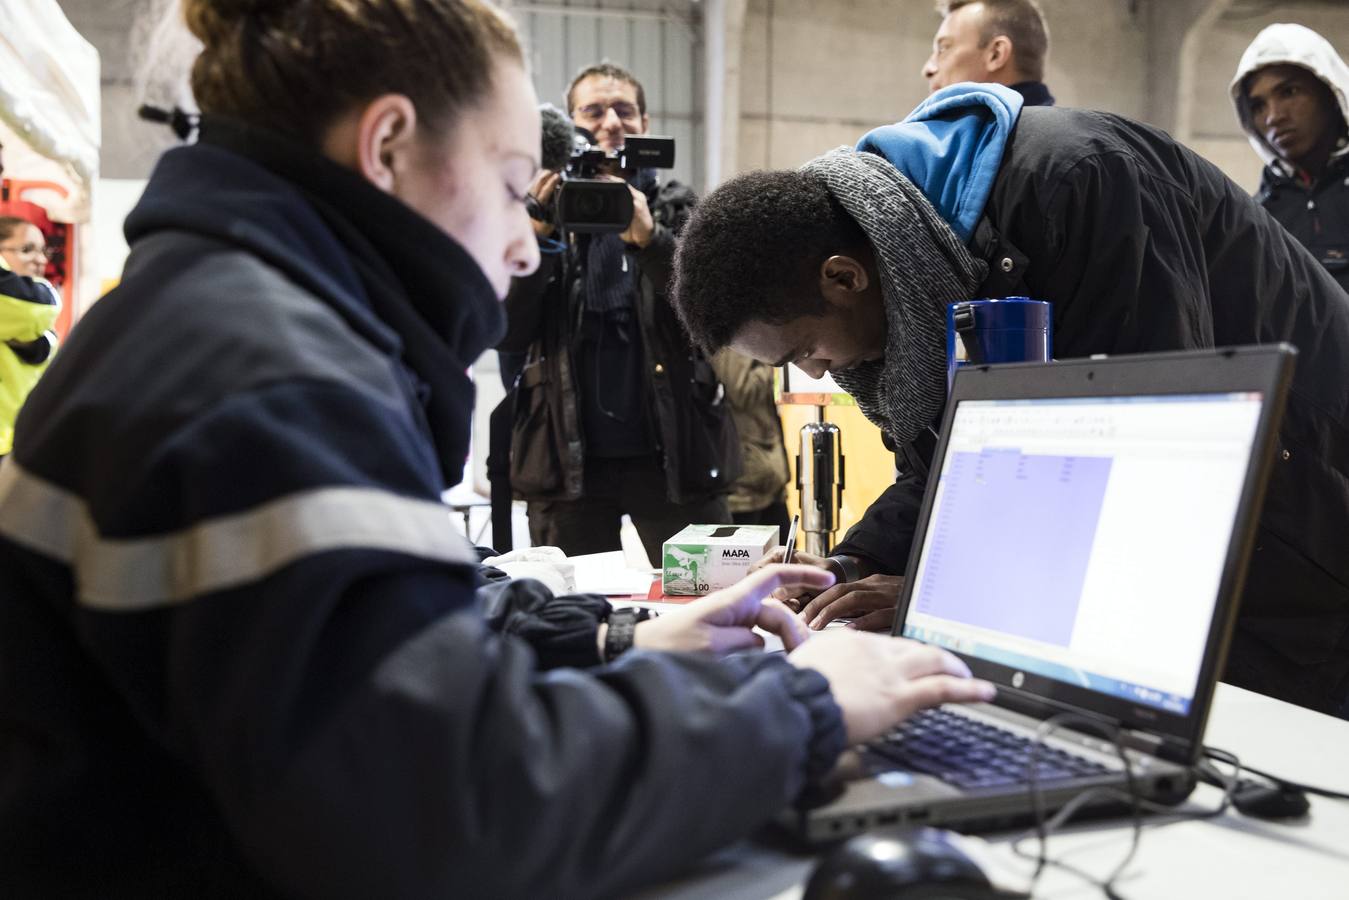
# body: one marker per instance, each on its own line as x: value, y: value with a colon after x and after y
x: 1291, y: 92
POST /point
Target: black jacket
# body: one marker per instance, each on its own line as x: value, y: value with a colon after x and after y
x: 1034, y: 93
x: 695, y: 434
x: 240, y: 648
x: 1142, y: 245
x: 1316, y: 214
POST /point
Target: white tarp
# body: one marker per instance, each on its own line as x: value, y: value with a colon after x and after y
x: 49, y: 103
x: 49, y: 122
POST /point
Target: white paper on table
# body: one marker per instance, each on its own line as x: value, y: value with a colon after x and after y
x: 608, y: 574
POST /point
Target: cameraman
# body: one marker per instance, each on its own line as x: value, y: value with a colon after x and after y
x: 615, y: 411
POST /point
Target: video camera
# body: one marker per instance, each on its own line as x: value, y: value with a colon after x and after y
x: 587, y: 202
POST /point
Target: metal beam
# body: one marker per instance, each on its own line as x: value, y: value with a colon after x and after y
x: 714, y: 84
x: 601, y: 12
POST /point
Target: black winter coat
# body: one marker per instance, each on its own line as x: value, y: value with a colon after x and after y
x: 1315, y: 214
x: 695, y: 435
x: 1142, y: 245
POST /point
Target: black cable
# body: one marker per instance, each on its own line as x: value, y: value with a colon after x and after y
x: 1139, y: 804
x: 1280, y: 781
x: 1299, y: 786
x: 1043, y: 829
x: 1230, y: 782
x: 1227, y: 782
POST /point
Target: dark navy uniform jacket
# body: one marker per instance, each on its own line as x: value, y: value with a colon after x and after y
x: 240, y: 651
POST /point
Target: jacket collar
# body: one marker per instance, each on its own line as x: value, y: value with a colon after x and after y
x: 395, y: 277
x: 1337, y: 167
x: 1035, y: 93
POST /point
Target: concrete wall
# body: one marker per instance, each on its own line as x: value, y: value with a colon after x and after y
x: 655, y: 42
x: 119, y: 30
x: 815, y: 75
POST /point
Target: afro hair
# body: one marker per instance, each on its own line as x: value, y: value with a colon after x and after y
x: 752, y: 251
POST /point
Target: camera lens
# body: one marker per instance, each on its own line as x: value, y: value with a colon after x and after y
x: 593, y: 206
x: 590, y: 205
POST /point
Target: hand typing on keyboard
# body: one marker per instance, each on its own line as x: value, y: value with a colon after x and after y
x: 879, y: 681
x: 972, y: 754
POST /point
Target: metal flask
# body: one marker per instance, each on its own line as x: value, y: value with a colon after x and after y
x: 819, y: 477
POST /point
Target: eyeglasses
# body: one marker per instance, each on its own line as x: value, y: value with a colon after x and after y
x: 594, y: 112
x: 26, y: 250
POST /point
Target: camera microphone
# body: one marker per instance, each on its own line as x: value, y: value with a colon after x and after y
x: 558, y: 136
x: 182, y: 122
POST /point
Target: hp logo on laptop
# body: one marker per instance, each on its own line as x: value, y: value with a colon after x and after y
x: 1018, y: 679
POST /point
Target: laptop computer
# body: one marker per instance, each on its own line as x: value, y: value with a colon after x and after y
x: 1082, y: 544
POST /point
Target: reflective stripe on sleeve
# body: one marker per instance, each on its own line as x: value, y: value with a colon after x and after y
x: 127, y: 575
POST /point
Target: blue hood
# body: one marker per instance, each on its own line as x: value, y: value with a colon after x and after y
x: 951, y: 147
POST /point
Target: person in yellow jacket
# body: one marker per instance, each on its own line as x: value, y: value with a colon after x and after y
x: 28, y: 309
x: 23, y: 247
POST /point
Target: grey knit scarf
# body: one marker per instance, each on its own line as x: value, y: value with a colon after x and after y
x: 923, y: 267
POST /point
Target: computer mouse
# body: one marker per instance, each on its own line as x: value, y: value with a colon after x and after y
x: 901, y: 864
x: 1269, y: 801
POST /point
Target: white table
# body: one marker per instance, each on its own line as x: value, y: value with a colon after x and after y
x: 1228, y: 857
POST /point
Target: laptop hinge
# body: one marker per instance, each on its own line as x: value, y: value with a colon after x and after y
x: 1161, y: 747
x: 1039, y: 707
x: 1144, y: 741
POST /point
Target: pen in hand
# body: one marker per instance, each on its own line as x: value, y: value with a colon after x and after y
x: 790, y: 545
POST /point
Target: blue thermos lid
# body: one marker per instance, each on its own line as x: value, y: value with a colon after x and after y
x: 999, y: 330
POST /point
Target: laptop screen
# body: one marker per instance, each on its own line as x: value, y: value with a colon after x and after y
x: 1084, y: 539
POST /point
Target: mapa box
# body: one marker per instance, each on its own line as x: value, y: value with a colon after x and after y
x: 705, y: 558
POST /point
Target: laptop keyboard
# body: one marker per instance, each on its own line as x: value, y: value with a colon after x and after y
x: 968, y: 753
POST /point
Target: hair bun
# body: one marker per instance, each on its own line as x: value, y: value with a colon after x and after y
x: 212, y: 20
x: 293, y: 66
x: 248, y: 7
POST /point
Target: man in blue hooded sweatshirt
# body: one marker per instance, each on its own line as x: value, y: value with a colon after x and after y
x: 846, y: 266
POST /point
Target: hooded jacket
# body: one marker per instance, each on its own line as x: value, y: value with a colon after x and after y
x: 239, y: 648
x: 1142, y: 245
x: 951, y: 148
x: 28, y: 310
x: 1316, y: 212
